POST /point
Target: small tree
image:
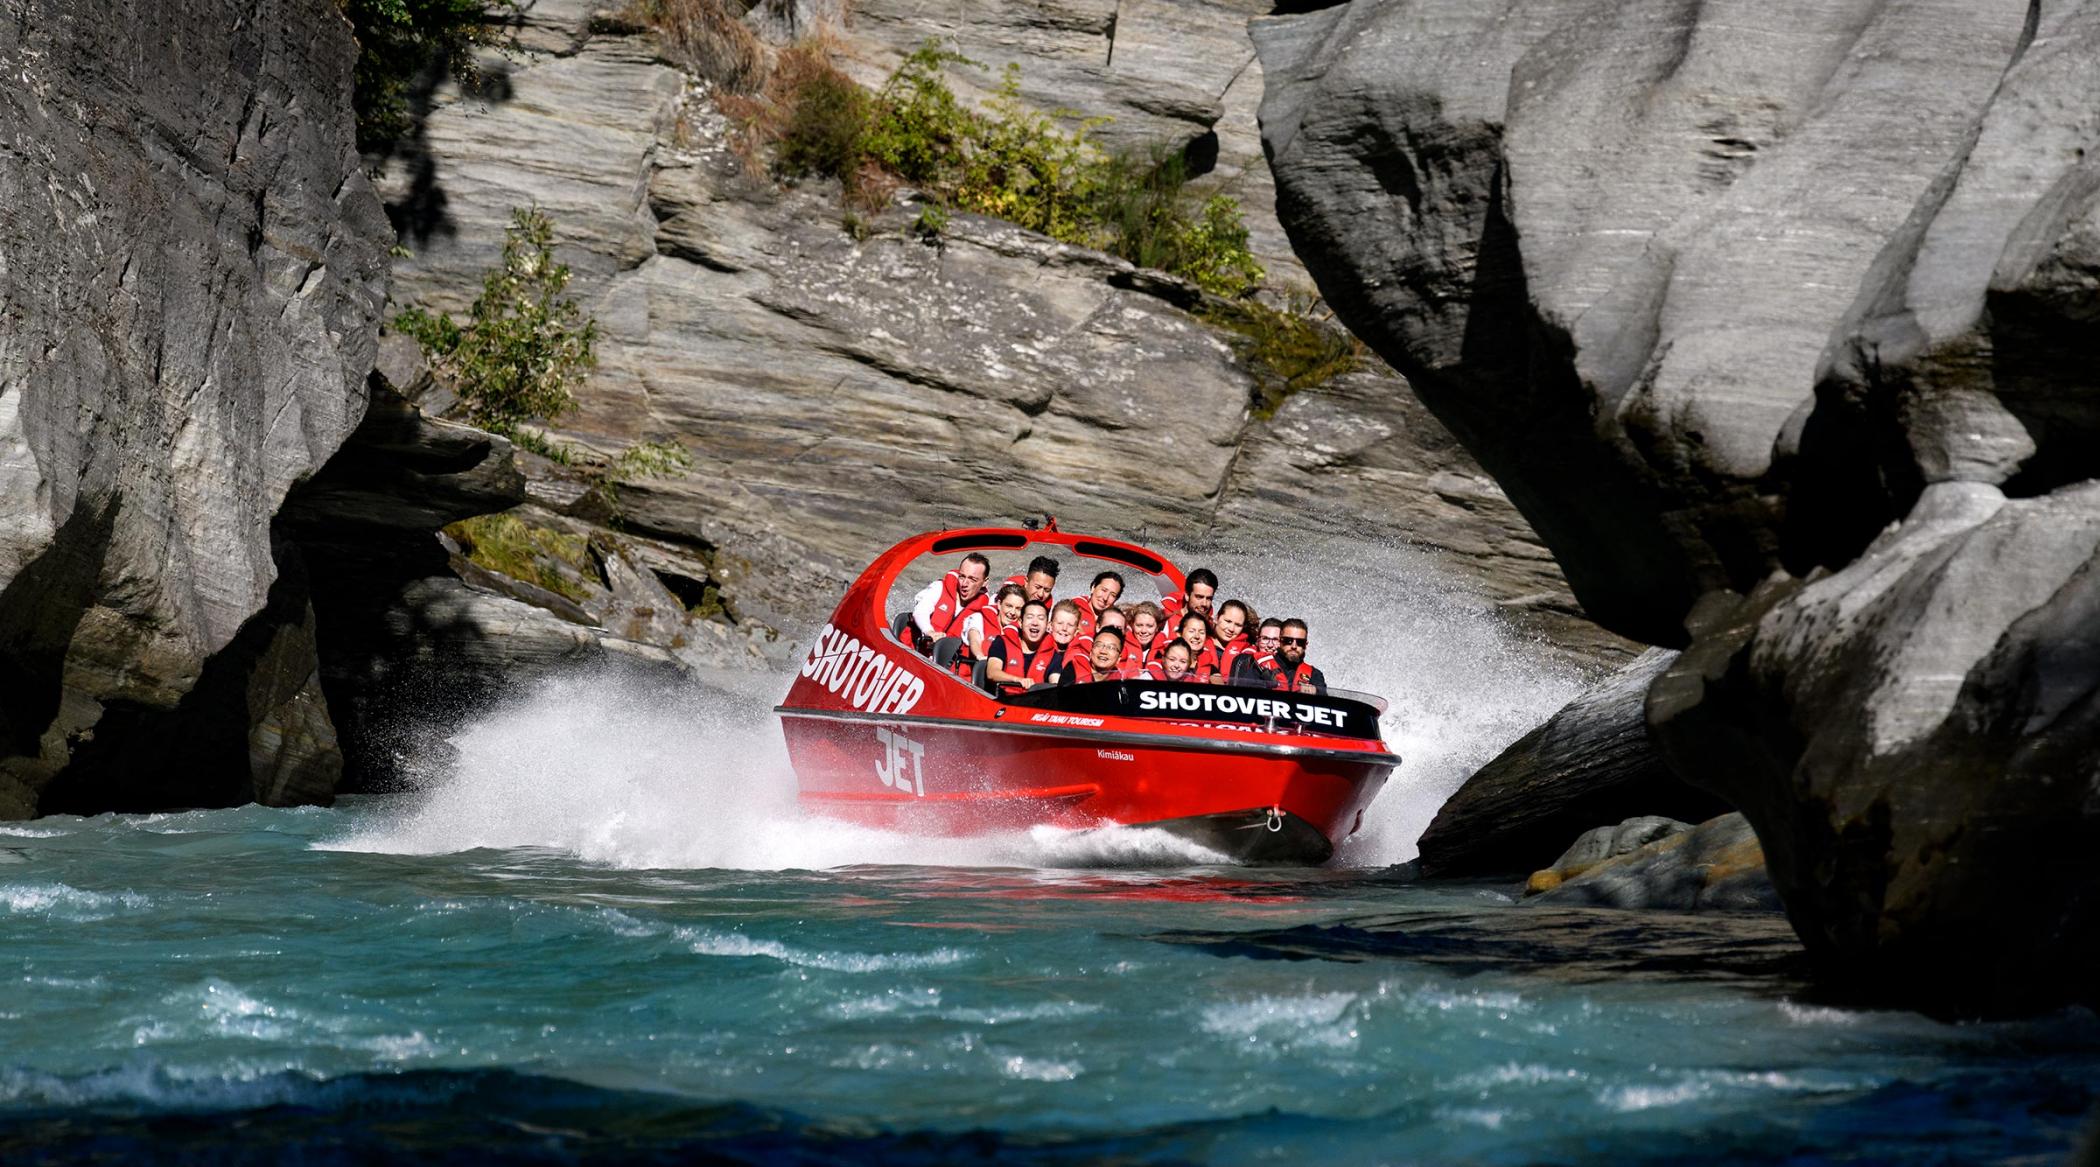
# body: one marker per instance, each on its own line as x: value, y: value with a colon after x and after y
x: 525, y: 345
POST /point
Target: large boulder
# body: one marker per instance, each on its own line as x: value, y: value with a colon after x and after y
x: 1655, y: 864
x: 1623, y: 247
x: 413, y: 637
x: 1718, y: 293
x: 193, y: 271
x: 1591, y: 762
x: 1914, y: 740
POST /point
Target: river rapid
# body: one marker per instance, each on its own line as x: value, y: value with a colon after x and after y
x: 603, y: 933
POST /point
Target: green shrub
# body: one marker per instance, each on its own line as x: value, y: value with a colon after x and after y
x: 508, y: 545
x: 650, y: 460
x: 1009, y: 162
x: 524, y: 346
x: 1286, y: 349
x: 635, y: 463
x: 827, y: 128
x: 399, y: 42
x: 921, y: 131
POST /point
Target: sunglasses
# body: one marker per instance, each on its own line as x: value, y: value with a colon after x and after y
x: 1294, y: 640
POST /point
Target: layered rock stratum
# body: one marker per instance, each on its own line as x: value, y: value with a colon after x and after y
x: 1730, y: 297
x: 192, y: 269
x: 837, y: 391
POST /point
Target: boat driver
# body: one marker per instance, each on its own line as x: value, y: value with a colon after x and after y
x: 1292, y: 672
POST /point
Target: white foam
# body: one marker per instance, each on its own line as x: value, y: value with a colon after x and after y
x: 1798, y: 1014
x: 1025, y: 1069
x: 1313, y: 1019
x: 627, y: 775
x: 1517, y: 1074
x: 705, y: 942
x: 63, y: 902
x: 1628, y: 1099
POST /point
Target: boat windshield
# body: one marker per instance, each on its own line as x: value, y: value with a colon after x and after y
x: 1145, y: 576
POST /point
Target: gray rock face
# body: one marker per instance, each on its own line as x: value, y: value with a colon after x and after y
x: 1717, y: 294
x: 838, y: 393
x: 1625, y: 247
x: 1660, y: 865
x: 412, y: 638
x: 1592, y: 761
x: 1178, y: 75
x: 1912, y: 738
x: 191, y: 270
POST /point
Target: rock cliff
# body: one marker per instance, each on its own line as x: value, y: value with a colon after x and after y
x: 1718, y: 293
x: 192, y: 267
x: 989, y: 373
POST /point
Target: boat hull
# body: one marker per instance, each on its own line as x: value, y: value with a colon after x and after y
x: 1248, y: 797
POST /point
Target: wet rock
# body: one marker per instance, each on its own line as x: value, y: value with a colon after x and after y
x: 1912, y: 737
x: 194, y: 266
x: 1593, y: 760
x: 1662, y: 865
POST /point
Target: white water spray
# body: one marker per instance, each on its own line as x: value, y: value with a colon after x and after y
x: 625, y: 774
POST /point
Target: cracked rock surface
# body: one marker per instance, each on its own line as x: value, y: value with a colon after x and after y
x: 836, y: 393
x: 1778, y: 323
x: 192, y: 267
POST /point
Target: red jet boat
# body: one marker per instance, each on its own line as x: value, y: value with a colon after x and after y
x: 881, y: 735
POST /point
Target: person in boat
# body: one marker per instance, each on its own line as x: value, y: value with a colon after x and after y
x: 1145, y: 642
x: 1024, y: 659
x: 1292, y: 672
x: 983, y: 628
x: 1195, y: 632
x: 1100, y: 664
x: 1198, y: 589
x: 1228, y: 635
x: 1101, y: 596
x: 1173, y: 662
x: 1039, y: 580
x: 1064, y: 636
x: 941, y: 606
x: 1258, y: 668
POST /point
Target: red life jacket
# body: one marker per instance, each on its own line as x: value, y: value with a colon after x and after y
x: 1231, y: 655
x: 1082, y: 669
x: 948, y: 613
x: 1019, y: 662
x: 966, y: 660
x: 1135, y: 654
x: 1172, y: 605
x: 1289, y: 679
x: 1087, y: 618
x: 1152, y: 672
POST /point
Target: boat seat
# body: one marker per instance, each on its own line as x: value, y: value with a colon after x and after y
x: 981, y: 679
x: 946, y: 649
x: 900, y: 626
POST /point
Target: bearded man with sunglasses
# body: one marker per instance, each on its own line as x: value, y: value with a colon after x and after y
x: 1292, y: 673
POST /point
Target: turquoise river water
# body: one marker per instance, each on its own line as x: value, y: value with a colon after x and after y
x: 602, y: 933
